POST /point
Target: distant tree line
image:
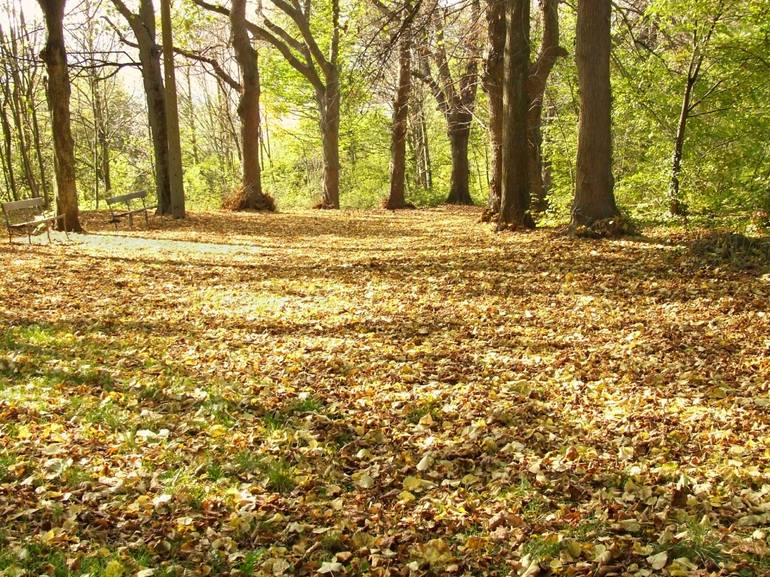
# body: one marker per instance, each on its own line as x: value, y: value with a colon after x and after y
x: 546, y: 108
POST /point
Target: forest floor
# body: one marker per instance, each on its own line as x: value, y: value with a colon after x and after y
x: 380, y: 394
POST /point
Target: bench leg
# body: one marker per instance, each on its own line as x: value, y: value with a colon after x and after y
x: 48, y: 232
x: 146, y: 220
x: 131, y: 221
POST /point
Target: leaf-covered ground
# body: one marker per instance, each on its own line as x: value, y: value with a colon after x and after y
x: 379, y: 394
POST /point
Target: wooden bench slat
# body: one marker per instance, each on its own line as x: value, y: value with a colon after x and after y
x: 126, y: 197
x: 26, y: 204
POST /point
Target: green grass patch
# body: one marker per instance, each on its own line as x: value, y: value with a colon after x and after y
x: 280, y: 476
x: 542, y: 547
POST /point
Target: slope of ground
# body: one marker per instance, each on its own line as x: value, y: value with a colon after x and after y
x: 379, y: 394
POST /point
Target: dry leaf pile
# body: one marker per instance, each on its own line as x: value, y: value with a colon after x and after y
x: 379, y: 394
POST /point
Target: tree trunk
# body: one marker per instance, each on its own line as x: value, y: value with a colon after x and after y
x: 39, y: 154
x: 676, y: 204
x: 329, y: 108
x: 155, y: 94
x: 493, y: 85
x: 397, y: 198
x: 425, y: 149
x: 459, y: 134
x: 514, y: 205
x: 9, y: 171
x: 172, y: 115
x: 539, y: 197
x: 143, y: 26
x: 594, y: 197
x: 248, y: 111
x: 17, y: 111
x: 550, y: 51
x: 191, y: 119
x: 418, y: 135
x: 55, y: 57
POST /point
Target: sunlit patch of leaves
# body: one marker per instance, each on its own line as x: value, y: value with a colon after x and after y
x: 474, y: 397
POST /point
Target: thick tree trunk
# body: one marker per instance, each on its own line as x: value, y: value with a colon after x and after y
x: 248, y: 111
x: 155, y: 94
x: 539, y: 72
x: 55, y: 57
x: 514, y: 204
x: 175, y: 173
x: 459, y: 134
x: 329, y: 108
x: 493, y: 85
x: 549, y: 53
x: 594, y: 197
x: 397, y: 198
x: 676, y: 204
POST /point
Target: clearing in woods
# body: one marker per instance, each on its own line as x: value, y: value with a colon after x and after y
x: 377, y: 393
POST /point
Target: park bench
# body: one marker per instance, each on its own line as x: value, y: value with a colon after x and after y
x: 124, y: 200
x: 29, y: 215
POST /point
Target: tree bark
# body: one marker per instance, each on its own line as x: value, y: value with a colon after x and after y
x: 539, y: 72
x: 248, y: 111
x: 676, y: 205
x: 493, y: 85
x: 397, y: 198
x: 143, y: 27
x: 594, y: 196
x: 329, y: 109
x: 9, y: 172
x: 459, y: 134
x: 514, y: 206
x: 419, y: 137
x: 538, y: 194
x: 39, y: 154
x: 55, y: 57
x: 176, y: 183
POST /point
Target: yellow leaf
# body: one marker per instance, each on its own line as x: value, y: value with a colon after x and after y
x: 113, y: 569
x: 412, y: 483
x: 406, y: 497
x: 658, y: 561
